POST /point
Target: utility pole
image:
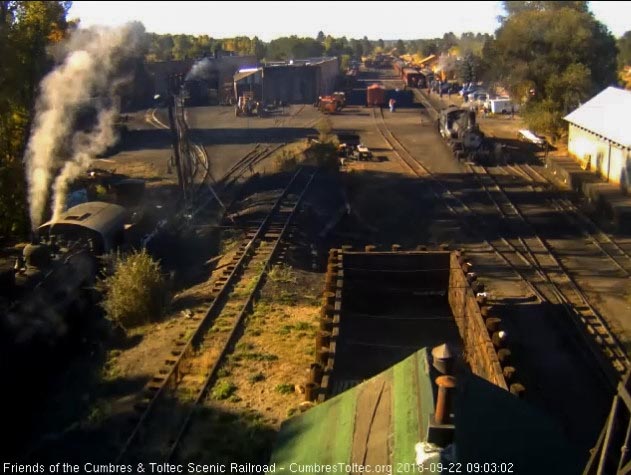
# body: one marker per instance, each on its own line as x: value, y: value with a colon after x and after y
x: 171, y: 94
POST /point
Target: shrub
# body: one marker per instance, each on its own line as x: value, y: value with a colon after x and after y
x: 135, y: 293
x: 286, y: 162
x: 322, y: 155
x: 544, y: 117
x: 324, y: 128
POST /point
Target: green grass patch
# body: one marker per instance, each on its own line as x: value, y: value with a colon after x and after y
x: 285, y: 388
x: 99, y: 411
x: 223, y: 372
x: 262, y: 309
x: 253, y: 356
x: 287, y: 298
x: 282, y: 273
x: 303, y: 326
x: 223, y: 390
x: 256, y: 378
x: 285, y: 330
x: 111, y: 371
x: 243, y: 346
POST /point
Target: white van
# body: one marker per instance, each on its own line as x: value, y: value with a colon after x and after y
x: 501, y: 106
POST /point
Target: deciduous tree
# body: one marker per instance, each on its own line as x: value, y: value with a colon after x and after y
x: 624, y: 48
x: 553, y: 58
x: 26, y: 31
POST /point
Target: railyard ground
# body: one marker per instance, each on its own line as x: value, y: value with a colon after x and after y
x: 389, y: 206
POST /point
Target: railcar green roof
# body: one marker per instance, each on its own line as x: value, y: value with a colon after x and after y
x: 381, y: 420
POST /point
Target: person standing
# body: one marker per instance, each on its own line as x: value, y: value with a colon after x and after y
x: 391, y: 103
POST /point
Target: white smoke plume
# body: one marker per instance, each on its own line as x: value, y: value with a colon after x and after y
x: 85, y: 147
x: 446, y: 63
x: 92, y: 61
x: 200, y: 69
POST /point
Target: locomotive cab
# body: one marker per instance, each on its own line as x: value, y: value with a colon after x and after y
x: 100, y: 224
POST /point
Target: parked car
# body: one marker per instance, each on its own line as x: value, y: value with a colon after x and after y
x: 448, y: 88
x: 479, y: 97
x: 469, y: 89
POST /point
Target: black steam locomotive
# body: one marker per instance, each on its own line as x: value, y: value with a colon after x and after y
x: 48, y: 307
x: 460, y: 130
x: 48, y: 296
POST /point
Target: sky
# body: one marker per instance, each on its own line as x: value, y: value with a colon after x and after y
x: 269, y: 19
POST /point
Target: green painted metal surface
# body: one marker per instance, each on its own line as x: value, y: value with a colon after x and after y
x: 324, y: 435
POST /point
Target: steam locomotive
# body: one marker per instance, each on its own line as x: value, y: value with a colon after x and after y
x: 51, y: 287
x: 48, y: 311
x: 48, y: 298
x: 460, y: 130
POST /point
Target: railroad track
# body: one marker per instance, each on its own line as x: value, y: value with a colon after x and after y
x: 590, y: 230
x: 248, y: 161
x: 252, y: 158
x: 559, y: 286
x: 526, y: 255
x: 259, y: 152
x: 172, y: 396
x: 503, y: 249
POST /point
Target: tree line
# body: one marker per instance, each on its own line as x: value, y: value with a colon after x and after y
x: 27, y: 30
x: 552, y: 55
x: 167, y: 47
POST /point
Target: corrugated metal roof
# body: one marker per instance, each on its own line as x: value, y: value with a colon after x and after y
x: 606, y: 114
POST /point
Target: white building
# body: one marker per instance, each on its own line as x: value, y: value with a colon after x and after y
x: 600, y: 135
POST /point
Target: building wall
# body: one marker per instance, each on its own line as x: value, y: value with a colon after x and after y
x: 609, y: 159
x: 220, y: 71
x: 159, y: 73
x: 328, y: 72
x: 293, y: 84
x: 227, y: 66
x: 300, y: 83
x: 252, y: 83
